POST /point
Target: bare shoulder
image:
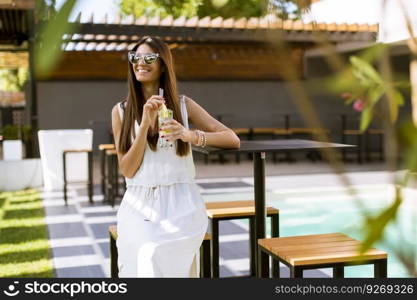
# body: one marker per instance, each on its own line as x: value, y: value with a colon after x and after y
x: 188, y: 100
x: 115, y: 111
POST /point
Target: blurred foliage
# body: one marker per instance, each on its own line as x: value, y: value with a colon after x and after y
x: 162, y: 8
x: 367, y: 79
x: 45, y: 9
x: 361, y: 81
x: 407, y: 140
x: 53, y: 25
x: 374, y: 227
x: 13, y: 80
x: 213, y: 8
x: 289, y: 9
x: 10, y: 132
x: 371, y: 87
x: 232, y: 8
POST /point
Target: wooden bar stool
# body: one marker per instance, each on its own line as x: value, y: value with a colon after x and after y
x: 347, y: 132
x: 204, y: 254
x: 90, y: 171
x: 282, y: 133
x: 231, y: 210
x: 102, y: 148
x: 331, y: 250
x: 359, y: 141
x: 380, y: 134
x: 112, y: 177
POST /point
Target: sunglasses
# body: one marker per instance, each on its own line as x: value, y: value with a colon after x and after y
x: 148, y: 58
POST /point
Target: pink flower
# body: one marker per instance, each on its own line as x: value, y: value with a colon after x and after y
x: 346, y: 95
x: 358, y: 105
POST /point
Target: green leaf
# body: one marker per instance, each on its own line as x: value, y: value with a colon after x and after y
x: 374, y: 52
x: 398, y: 97
x: 219, y: 3
x: 365, y: 69
x: 374, y: 94
x: 395, y: 99
x: 375, y: 225
x: 48, y: 48
x: 366, y: 118
x: 407, y: 135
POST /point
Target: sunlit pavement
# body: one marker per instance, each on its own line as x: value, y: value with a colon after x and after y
x: 79, y: 236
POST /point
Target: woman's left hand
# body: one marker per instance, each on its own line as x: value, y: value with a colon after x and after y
x: 176, y: 131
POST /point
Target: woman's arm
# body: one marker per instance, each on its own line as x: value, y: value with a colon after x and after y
x: 129, y: 162
x: 217, y: 134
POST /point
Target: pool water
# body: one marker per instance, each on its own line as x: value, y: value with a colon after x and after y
x: 321, y: 210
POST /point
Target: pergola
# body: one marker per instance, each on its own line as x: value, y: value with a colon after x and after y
x: 203, y: 48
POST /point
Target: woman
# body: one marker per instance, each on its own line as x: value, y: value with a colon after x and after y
x: 162, y: 220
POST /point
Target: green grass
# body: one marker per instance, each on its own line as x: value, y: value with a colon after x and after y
x: 24, y: 249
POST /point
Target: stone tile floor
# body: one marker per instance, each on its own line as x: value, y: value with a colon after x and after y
x: 80, y: 245
x: 79, y: 236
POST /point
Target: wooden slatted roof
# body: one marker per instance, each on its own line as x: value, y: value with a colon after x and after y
x: 13, y: 26
x: 17, y: 4
x: 122, y: 33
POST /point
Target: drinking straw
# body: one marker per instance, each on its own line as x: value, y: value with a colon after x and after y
x: 163, y: 107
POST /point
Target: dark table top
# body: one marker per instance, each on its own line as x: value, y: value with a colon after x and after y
x: 271, y: 146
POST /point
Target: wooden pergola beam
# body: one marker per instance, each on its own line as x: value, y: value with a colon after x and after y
x: 17, y: 4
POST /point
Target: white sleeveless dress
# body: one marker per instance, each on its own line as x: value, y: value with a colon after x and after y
x: 162, y: 220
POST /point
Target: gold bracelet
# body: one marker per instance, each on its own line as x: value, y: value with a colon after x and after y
x: 204, y: 139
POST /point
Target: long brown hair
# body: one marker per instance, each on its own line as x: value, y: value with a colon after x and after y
x: 136, y: 99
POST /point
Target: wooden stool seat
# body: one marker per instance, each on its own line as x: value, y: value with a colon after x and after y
x: 111, y: 152
x: 322, y: 250
x: 352, y: 132
x: 302, y: 130
x: 113, y: 231
x: 231, y: 210
x: 281, y: 131
x: 264, y: 130
x: 205, y: 265
x: 239, y: 131
x: 234, y: 209
x: 376, y: 131
x: 77, y: 150
x: 103, y: 147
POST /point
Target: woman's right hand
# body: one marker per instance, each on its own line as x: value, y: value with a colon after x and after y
x: 150, y: 110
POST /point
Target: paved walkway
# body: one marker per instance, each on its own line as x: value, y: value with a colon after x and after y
x: 79, y: 237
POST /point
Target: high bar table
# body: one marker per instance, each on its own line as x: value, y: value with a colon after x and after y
x: 259, y: 148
